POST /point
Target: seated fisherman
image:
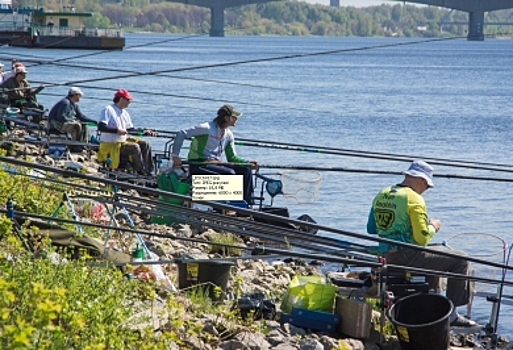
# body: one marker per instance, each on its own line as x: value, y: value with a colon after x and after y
x: 4, y: 75
x: 63, y: 116
x: 115, y: 124
x: 211, y: 139
x: 19, y: 92
x: 399, y: 213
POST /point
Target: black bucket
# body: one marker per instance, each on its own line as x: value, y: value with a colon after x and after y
x: 209, y: 273
x: 422, y: 321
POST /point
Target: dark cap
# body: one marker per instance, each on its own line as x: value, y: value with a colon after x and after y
x: 228, y: 111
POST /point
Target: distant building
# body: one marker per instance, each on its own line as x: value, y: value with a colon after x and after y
x: 335, y: 3
x: 5, y: 4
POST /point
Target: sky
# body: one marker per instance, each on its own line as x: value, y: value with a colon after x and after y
x: 356, y: 3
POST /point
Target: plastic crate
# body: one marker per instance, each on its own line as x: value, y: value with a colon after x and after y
x: 317, y: 320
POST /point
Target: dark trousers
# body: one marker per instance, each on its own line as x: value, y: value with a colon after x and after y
x: 459, y: 291
x: 139, y: 151
x: 208, y: 169
x: 28, y: 102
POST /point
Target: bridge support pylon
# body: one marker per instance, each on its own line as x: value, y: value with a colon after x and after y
x: 475, y: 26
x: 217, y: 21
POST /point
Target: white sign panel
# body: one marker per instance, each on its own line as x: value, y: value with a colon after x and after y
x: 217, y: 187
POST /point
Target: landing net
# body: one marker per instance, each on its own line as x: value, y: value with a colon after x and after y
x: 300, y: 186
x: 484, y: 246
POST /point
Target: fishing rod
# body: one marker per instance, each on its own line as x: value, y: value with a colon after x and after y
x: 349, y: 152
x: 309, y: 225
x: 99, y: 193
x: 188, y: 261
x: 362, y: 171
x: 45, y: 93
x: 227, y: 227
x: 330, y: 242
x: 374, y: 155
x: 134, y: 74
x: 260, y: 230
x: 283, y: 233
x: 99, y: 52
x: 259, y: 60
x: 321, y: 257
x: 96, y: 68
x: 196, y: 98
x: 363, y: 154
x: 383, y: 172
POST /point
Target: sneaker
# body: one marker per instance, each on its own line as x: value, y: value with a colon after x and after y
x: 463, y: 322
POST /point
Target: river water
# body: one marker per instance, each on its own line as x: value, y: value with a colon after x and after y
x: 442, y: 99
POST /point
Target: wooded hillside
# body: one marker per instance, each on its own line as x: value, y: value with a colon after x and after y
x: 278, y: 18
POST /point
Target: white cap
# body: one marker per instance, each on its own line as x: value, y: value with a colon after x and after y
x: 20, y: 69
x: 1, y: 64
x: 75, y: 91
x: 421, y: 169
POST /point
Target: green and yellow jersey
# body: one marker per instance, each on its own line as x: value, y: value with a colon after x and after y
x: 399, y: 213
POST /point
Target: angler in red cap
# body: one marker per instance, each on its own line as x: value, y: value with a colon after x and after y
x: 115, y: 124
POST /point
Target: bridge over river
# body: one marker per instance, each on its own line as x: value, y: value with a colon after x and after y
x: 475, y: 8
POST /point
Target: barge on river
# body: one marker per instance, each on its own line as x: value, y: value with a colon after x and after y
x: 28, y: 27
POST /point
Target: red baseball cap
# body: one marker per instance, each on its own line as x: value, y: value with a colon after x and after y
x: 123, y: 93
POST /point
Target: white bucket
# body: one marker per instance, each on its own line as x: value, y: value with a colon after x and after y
x: 12, y: 112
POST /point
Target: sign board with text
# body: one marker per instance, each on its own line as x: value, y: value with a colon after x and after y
x: 217, y: 187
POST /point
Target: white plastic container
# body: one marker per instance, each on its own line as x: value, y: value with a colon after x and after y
x: 12, y: 112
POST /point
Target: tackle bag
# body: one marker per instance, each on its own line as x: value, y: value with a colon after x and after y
x: 257, y: 304
x: 309, y: 292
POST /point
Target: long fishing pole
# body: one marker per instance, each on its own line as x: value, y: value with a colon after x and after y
x: 163, y: 94
x: 280, y: 234
x: 363, y: 154
x: 94, y: 193
x: 291, y: 234
x: 384, y: 172
x: 214, y: 81
x: 375, y: 155
x: 321, y: 257
x: 379, y: 155
x: 187, y: 261
x: 362, y: 171
x: 100, y: 52
x: 244, y: 230
x: 263, y: 231
x: 283, y: 233
x: 259, y: 60
x: 309, y: 225
x: 134, y: 74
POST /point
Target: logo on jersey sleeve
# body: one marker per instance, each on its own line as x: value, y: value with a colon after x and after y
x: 384, y: 218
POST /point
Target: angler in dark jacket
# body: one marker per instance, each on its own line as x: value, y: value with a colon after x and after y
x: 66, y: 116
x: 19, y: 92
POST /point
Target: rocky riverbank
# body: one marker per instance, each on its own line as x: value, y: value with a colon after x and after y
x: 201, y: 323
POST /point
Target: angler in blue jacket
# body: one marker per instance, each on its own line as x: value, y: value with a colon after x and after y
x: 67, y: 118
